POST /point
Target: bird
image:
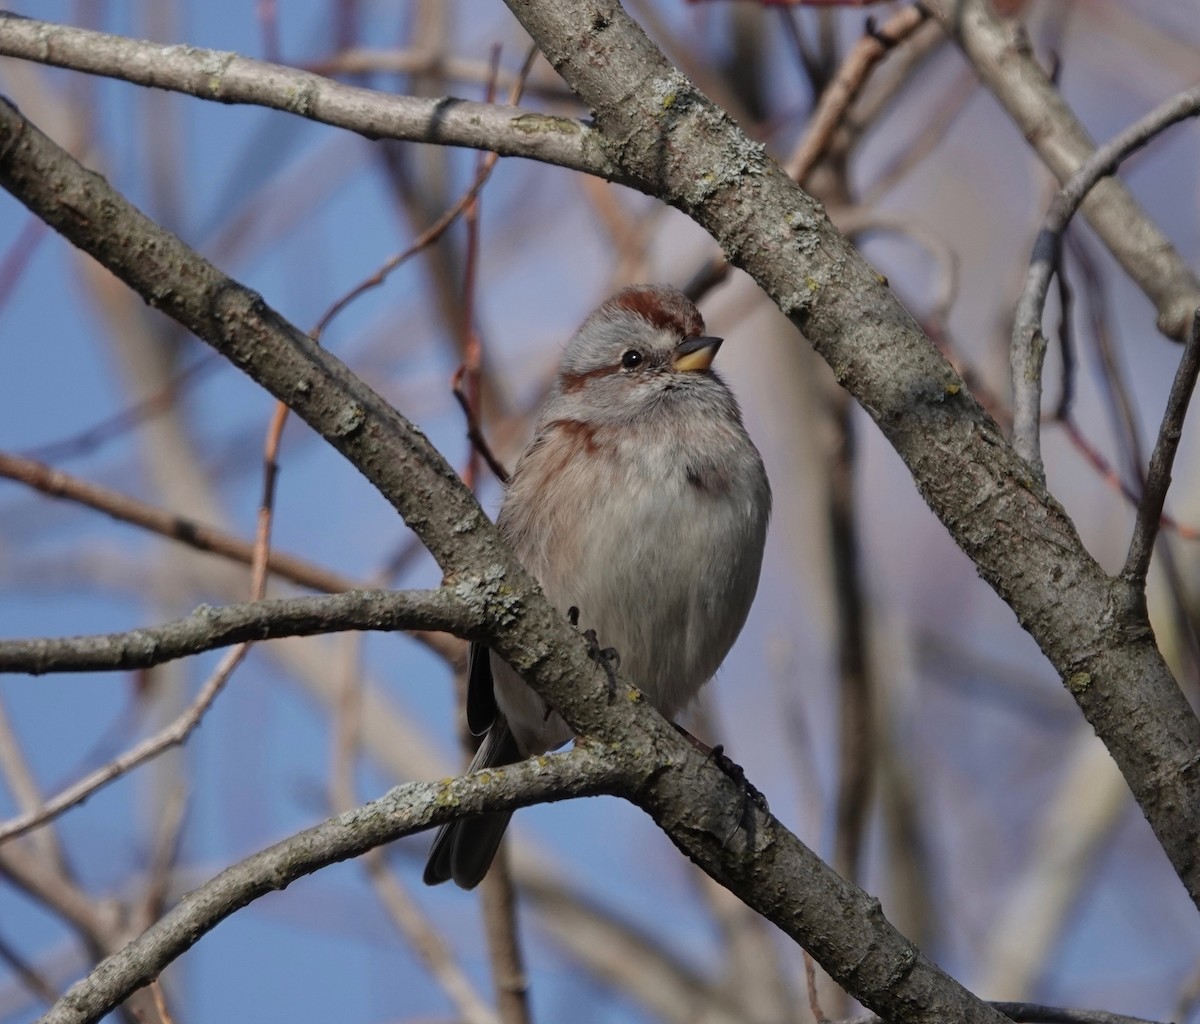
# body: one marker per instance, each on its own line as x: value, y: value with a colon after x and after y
x: 641, y: 506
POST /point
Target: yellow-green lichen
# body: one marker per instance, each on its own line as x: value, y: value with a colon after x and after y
x: 539, y: 124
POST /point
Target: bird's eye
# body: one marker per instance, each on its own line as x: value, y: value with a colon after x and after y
x: 631, y: 358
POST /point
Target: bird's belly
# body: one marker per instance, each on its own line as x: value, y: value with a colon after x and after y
x: 660, y: 580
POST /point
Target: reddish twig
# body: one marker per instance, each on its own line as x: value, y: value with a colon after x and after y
x: 810, y: 982
x: 846, y: 85
x: 57, y: 484
x: 829, y: 114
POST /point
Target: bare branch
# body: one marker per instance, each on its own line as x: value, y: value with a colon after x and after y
x: 401, y: 812
x: 206, y: 629
x: 1001, y: 55
x: 1028, y: 343
x: 172, y: 735
x: 229, y: 78
x: 1149, y: 513
x: 847, y: 83
x: 57, y: 484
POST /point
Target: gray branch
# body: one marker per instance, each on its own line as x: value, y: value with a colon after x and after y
x: 230, y: 78
x: 1035, y: 1013
x: 1158, y: 476
x: 402, y: 811
x: 206, y: 629
x: 1028, y: 347
x: 999, y: 51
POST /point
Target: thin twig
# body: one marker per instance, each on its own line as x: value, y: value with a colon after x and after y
x: 171, y: 736
x: 414, y: 926
x: 810, y: 982
x: 1109, y: 474
x: 57, y: 484
x: 17, y: 259
x: 164, y: 854
x: 127, y: 419
x: 468, y: 380
x: 846, y: 85
x: 1028, y: 343
x: 26, y: 974
x: 857, y: 687
x: 503, y: 941
x: 24, y: 787
x: 466, y: 384
x: 420, y: 933
x: 827, y: 117
x: 160, y: 1002
x: 1158, y: 479
x: 479, y: 443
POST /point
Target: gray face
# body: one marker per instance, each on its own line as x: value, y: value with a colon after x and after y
x: 638, y: 356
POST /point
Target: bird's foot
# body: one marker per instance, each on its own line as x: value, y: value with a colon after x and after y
x: 734, y: 771
x: 608, y: 658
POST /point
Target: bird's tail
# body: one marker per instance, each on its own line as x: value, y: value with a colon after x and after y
x: 463, y: 850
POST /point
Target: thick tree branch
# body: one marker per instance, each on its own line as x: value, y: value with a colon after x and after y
x: 700, y: 808
x: 678, y: 146
x: 206, y: 629
x: 1000, y: 52
x: 230, y: 78
x: 1035, y: 1013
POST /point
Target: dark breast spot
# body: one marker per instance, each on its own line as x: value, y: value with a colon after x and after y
x: 708, y: 479
x: 579, y: 435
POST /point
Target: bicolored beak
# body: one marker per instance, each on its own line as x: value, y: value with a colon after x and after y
x: 695, y: 353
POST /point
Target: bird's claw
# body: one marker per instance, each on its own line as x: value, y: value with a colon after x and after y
x: 608, y: 658
x: 750, y: 793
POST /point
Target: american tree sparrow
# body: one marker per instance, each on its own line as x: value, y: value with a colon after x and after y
x: 641, y: 502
